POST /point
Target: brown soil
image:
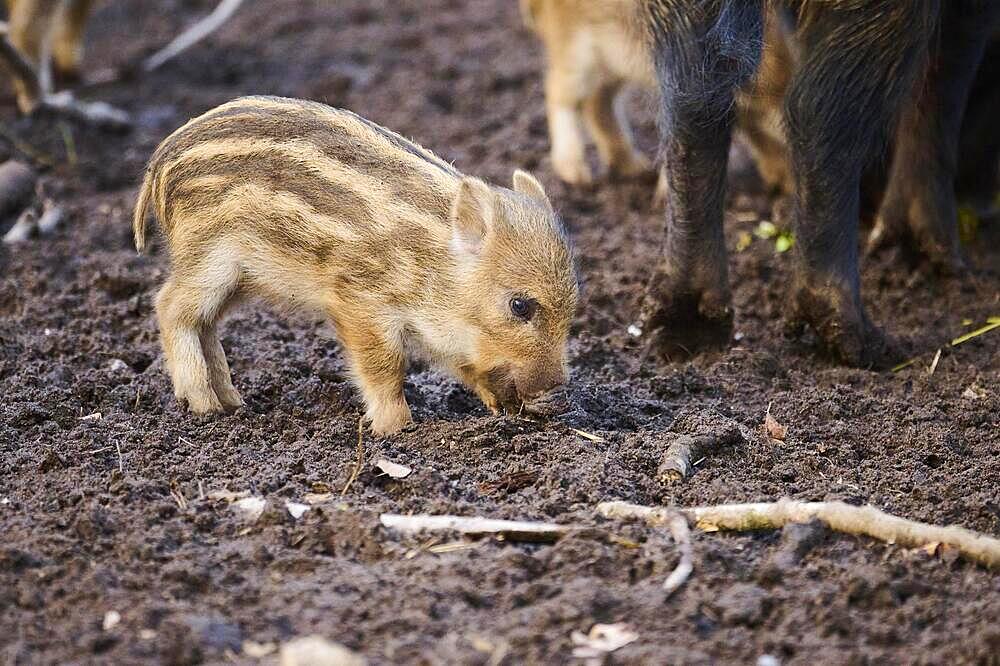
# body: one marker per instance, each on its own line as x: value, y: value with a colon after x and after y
x: 89, y: 523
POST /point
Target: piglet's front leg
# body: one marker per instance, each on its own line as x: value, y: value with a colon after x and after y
x: 379, y: 369
x: 494, y: 400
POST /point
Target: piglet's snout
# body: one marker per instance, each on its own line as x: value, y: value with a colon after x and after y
x: 537, y: 382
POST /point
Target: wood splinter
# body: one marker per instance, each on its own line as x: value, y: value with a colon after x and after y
x: 838, y: 516
x: 701, y: 434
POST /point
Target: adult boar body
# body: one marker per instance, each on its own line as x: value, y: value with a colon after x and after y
x: 856, y: 62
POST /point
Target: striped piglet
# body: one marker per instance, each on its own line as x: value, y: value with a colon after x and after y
x: 307, y: 206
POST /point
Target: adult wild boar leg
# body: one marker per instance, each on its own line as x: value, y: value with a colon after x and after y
x: 920, y: 208
x: 858, y: 60
x: 703, y: 51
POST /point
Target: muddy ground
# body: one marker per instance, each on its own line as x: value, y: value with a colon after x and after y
x: 108, y: 514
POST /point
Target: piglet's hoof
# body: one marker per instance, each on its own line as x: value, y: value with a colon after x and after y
x: 844, y: 329
x: 680, y: 325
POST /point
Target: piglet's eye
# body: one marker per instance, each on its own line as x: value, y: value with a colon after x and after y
x: 523, y: 308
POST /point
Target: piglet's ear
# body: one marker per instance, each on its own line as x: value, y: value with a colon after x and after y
x: 529, y: 186
x: 471, y: 212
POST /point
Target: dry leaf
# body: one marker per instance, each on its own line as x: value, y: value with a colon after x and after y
x: 296, y: 510
x: 743, y: 241
x: 392, y: 469
x: 601, y: 640
x: 317, y: 651
x: 931, y: 548
x: 317, y: 498
x: 623, y: 542
x: 250, y: 508
x: 774, y: 429
x: 973, y: 393
x: 111, y: 620
x: 257, y: 650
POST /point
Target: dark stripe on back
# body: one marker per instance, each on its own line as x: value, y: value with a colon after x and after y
x: 328, y: 136
x: 278, y: 173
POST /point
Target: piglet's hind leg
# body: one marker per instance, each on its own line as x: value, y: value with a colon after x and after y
x: 218, y: 369
x: 177, y: 309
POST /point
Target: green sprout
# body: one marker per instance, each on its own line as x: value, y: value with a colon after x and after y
x: 783, y: 239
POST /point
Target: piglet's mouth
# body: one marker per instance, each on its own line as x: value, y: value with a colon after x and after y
x: 502, y: 383
x: 549, y: 404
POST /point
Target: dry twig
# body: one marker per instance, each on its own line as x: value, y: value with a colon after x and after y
x: 359, y: 461
x: 517, y: 530
x: 838, y: 516
x: 197, y: 32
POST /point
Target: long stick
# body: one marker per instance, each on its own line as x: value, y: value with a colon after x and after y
x: 861, y: 520
x: 193, y: 35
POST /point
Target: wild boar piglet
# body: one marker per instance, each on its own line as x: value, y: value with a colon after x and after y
x: 310, y: 207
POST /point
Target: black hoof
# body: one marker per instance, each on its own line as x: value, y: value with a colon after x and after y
x: 681, y: 325
x: 844, y: 329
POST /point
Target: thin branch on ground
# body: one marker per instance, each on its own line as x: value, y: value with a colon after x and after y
x: 838, y: 516
x: 515, y: 530
x: 197, y: 32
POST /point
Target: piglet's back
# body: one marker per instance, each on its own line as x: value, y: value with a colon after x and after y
x: 306, y: 172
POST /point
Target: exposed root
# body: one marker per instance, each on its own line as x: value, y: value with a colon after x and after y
x: 859, y: 520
